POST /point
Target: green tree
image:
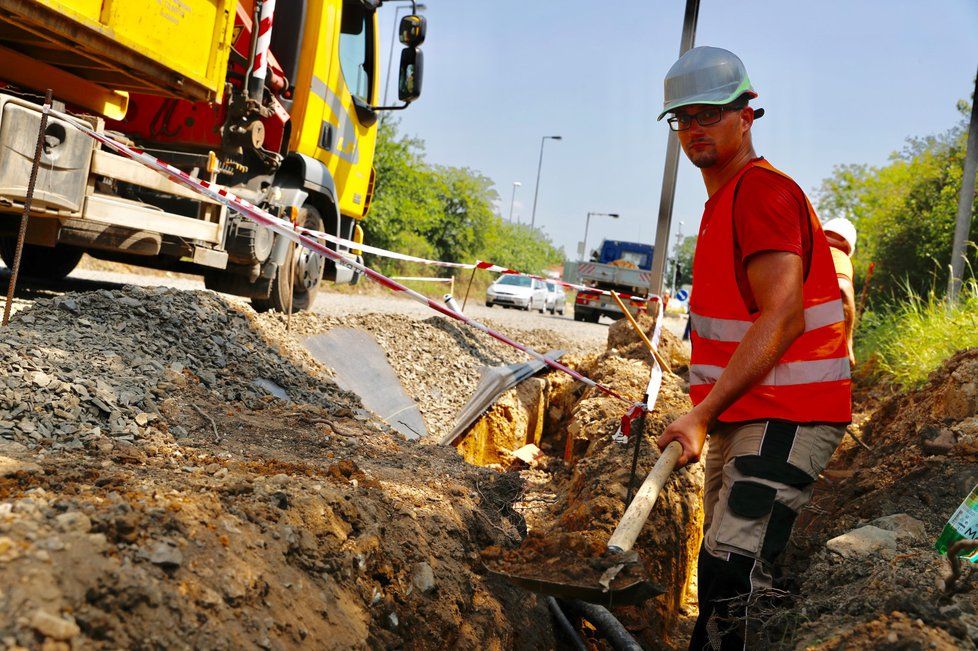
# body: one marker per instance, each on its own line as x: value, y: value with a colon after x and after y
x: 904, y: 212
x: 443, y: 213
x: 684, y: 256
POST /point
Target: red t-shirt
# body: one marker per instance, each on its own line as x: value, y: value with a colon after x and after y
x: 769, y: 214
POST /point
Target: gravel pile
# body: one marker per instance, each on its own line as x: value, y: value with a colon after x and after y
x: 439, y: 361
x: 81, y: 367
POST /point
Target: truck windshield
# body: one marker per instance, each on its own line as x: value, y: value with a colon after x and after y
x: 357, y: 49
x: 518, y: 281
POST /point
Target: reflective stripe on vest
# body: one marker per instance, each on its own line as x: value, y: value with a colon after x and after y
x: 786, y: 374
x: 817, y: 316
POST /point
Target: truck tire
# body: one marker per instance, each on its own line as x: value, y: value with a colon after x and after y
x: 42, y: 262
x: 306, y: 268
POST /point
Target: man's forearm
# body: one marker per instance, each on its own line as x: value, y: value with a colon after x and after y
x: 759, y: 351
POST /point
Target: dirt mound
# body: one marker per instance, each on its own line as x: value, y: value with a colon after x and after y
x: 625, y: 342
x: 589, y: 484
x: 438, y: 360
x: 204, y: 513
x: 864, y: 547
x: 81, y: 368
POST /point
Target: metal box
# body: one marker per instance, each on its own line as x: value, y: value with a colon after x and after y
x: 65, y: 159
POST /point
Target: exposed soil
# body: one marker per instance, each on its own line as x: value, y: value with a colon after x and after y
x: 922, y: 464
x: 206, y: 514
x: 437, y: 360
x: 588, y: 482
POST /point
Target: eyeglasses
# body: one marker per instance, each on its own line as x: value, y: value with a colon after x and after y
x: 705, y: 118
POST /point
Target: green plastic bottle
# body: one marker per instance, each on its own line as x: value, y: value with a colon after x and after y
x: 963, y: 524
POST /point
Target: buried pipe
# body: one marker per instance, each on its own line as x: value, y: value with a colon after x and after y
x: 564, y: 624
x: 608, y: 625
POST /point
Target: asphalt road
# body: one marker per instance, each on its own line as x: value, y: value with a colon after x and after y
x: 329, y: 302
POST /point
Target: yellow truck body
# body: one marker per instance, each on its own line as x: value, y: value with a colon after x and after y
x: 176, y: 48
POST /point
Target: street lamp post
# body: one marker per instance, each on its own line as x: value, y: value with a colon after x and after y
x: 587, y: 224
x: 533, y: 218
x: 390, y: 56
x: 516, y: 184
x: 675, y: 262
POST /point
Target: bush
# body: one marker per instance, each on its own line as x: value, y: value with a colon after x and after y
x: 911, y: 338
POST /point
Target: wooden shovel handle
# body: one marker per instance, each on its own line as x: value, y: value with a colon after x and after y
x: 638, y: 329
x: 638, y: 511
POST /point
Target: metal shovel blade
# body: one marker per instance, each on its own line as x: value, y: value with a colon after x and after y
x: 633, y: 592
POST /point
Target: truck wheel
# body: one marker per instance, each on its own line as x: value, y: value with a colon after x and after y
x: 307, y: 273
x: 488, y: 304
x: 41, y: 262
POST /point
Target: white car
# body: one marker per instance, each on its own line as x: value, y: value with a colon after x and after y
x: 517, y: 291
x: 556, y: 299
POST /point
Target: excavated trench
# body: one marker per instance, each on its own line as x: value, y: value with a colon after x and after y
x: 576, y: 477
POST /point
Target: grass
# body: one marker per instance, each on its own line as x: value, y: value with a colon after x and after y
x: 905, y: 342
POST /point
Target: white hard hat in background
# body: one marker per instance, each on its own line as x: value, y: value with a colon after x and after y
x: 844, y: 228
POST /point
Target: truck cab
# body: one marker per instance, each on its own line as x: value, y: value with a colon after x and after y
x: 280, y: 107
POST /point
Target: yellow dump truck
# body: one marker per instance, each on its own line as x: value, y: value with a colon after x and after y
x: 279, y: 102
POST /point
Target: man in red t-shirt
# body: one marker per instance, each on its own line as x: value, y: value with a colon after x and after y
x: 769, y: 373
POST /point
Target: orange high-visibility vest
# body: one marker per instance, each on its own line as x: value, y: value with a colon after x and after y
x: 811, y: 382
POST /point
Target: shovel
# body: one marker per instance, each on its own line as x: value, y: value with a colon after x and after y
x: 619, y: 552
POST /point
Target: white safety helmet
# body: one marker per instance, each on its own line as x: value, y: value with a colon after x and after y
x: 706, y: 75
x: 844, y: 228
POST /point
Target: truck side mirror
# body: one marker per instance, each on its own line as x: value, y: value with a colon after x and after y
x: 411, y: 74
x: 413, y: 30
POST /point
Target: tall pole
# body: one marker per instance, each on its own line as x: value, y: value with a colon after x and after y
x: 536, y: 192
x: 587, y: 224
x: 965, y: 201
x: 28, y: 200
x: 672, y: 167
x: 675, y: 254
x: 512, y: 202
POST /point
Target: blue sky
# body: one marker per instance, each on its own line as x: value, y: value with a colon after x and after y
x: 842, y: 82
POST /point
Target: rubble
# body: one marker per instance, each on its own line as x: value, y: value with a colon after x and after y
x: 902, y: 492
x: 127, y: 523
x: 424, y: 353
x: 589, y: 479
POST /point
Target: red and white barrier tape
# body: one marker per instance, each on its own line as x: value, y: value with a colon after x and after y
x: 479, y: 264
x: 286, y: 229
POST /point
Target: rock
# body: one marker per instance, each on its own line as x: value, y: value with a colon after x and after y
x: 863, y: 541
x: 10, y: 467
x: 73, y: 522
x: 166, y: 555
x: 8, y: 549
x: 528, y: 454
x: 903, y: 525
x: 959, y: 402
x: 940, y: 444
x: 423, y: 577
x: 54, y: 627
